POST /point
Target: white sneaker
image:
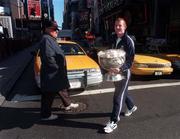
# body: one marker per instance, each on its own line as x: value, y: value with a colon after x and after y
x: 110, y: 126
x: 72, y: 105
x: 129, y: 112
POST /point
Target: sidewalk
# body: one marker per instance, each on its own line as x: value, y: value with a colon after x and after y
x: 11, y: 69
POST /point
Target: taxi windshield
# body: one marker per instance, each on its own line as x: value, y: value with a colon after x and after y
x: 71, y: 49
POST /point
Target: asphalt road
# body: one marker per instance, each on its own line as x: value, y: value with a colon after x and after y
x: 157, y: 116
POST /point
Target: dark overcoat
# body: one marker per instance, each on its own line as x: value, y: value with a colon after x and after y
x: 53, y: 72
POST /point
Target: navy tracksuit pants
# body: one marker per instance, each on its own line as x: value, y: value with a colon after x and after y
x: 121, y: 96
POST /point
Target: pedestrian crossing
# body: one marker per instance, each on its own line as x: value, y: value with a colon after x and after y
x: 99, y: 91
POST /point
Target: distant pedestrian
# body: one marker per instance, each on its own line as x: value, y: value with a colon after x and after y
x: 121, y: 96
x: 53, y: 72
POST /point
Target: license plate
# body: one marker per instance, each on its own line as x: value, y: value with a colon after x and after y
x: 158, y: 73
x: 75, y: 83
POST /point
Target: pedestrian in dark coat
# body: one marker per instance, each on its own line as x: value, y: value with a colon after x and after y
x: 53, y: 73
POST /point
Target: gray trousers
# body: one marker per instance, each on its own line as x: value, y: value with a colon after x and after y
x: 121, y: 97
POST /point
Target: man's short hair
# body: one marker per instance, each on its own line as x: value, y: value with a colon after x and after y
x: 118, y: 19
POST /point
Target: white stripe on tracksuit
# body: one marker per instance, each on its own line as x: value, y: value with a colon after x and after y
x: 121, y: 87
x: 119, y: 96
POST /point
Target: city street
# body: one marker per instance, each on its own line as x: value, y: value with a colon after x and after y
x: 157, y: 116
x: 47, y: 36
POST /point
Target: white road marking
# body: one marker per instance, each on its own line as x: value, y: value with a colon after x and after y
x: 2, y: 68
x: 135, y: 87
x: 98, y: 91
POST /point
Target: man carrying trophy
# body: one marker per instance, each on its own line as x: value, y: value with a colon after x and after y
x: 124, y: 43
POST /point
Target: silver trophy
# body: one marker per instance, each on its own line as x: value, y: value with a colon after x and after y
x: 112, y: 58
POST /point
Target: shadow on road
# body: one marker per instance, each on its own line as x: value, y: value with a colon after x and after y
x: 26, y: 117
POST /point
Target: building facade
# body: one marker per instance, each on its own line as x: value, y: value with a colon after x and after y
x: 77, y: 14
x: 145, y: 18
x: 25, y: 17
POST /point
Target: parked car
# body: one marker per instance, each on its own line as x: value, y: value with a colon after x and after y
x: 146, y: 62
x: 83, y: 71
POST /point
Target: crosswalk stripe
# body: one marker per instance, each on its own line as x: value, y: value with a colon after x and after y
x: 135, y: 87
x: 98, y: 91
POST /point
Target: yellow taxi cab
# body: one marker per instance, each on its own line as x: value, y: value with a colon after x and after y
x: 150, y: 65
x: 170, y: 53
x: 147, y: 62
x: 161, y: 49
x: 83, y: 71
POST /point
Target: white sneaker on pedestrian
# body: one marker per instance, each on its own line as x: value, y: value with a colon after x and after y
x: 72, y: 105
x: 129, y: 112
x: 110, y: 126
x: 51, y: 117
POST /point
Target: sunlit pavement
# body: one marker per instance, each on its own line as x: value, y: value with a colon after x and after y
x: 157, y: 117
